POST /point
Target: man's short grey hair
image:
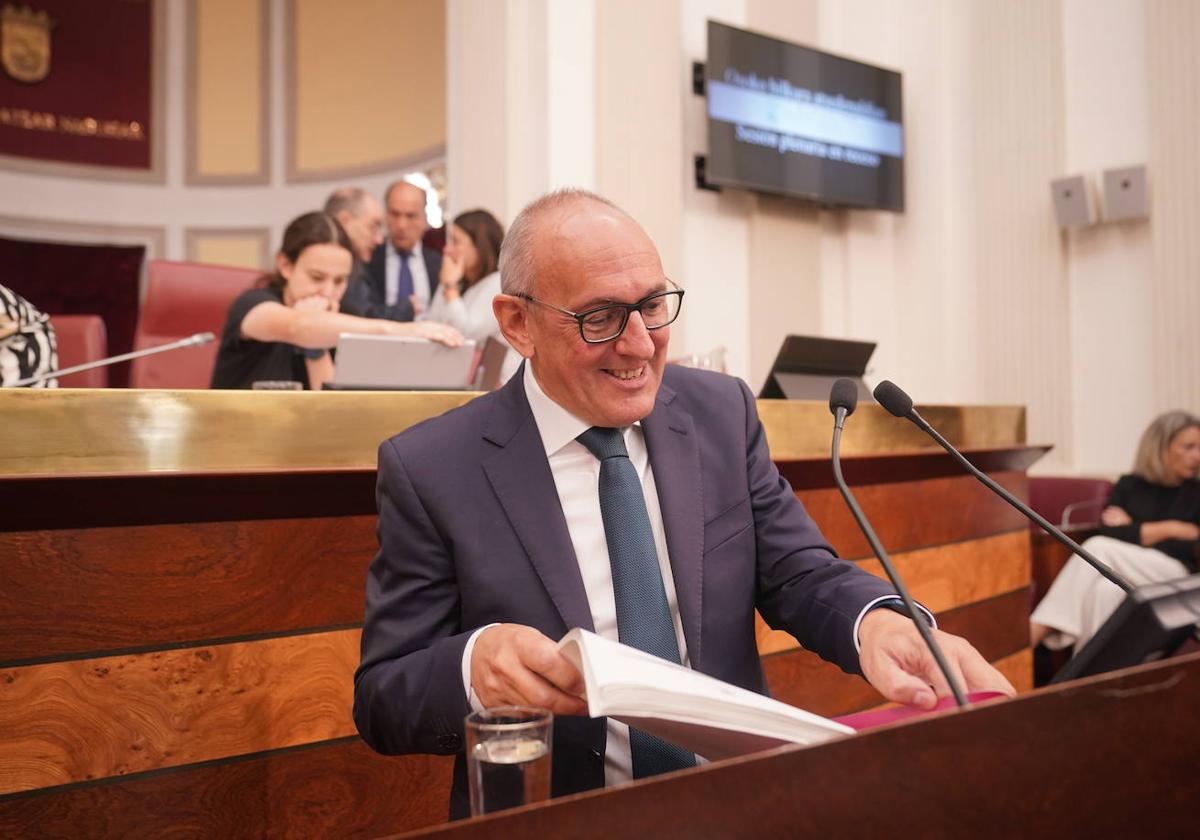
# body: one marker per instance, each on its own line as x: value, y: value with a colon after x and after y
x: 348, y: 199
x: 517, y: 268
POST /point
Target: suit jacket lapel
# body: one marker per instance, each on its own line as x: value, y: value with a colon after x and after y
x: 675, y: 459
x: 520, y: 475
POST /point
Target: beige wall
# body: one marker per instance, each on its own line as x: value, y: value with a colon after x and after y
x: 228, y: 90
x: 230, y: 173
x: 369, y: 83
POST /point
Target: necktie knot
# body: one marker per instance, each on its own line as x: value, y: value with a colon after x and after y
x: 604, y: 442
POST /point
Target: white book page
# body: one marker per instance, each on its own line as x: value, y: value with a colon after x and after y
x: 696, y: 711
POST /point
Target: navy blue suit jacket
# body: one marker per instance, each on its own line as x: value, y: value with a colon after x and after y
x: 471, y: 532
x: 371, y: 288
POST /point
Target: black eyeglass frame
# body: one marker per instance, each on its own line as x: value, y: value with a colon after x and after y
x: 626, y: 308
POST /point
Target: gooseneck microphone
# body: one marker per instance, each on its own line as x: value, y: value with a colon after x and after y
x: 892, y: 398
x: 843, y: 399
x: 190, y: 341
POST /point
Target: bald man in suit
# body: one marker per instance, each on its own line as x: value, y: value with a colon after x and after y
x: 494, y: 541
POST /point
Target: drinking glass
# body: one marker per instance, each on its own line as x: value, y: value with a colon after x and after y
x: 508, y: 757
x: 276, y: 385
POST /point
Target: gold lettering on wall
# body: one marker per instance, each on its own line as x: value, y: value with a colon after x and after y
x: 68, y: 124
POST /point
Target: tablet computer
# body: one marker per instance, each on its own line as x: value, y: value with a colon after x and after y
x: 389, y: 362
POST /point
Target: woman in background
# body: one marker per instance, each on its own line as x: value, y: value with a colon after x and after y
x: 470, y: 279
x: 282, y: 329
x: 27, y: 343
x: 1150, y: 530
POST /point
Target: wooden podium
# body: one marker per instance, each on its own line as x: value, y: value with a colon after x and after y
x: 1114, y: 756
x: 181, y: 591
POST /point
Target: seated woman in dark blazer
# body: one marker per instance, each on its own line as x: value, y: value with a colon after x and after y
x: 282, y: 328
x: 1150, y: 533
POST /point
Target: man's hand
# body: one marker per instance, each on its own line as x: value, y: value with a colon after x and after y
x: 515, y: 665
x: 896, y: 661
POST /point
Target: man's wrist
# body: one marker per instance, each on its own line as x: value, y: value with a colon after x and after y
x: 468, y: 689
x: 889, y: 602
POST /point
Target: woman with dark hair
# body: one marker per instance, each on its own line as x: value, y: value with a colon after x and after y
x: 470, y: 278
x: 282, y: 328
x: 1150, y: 531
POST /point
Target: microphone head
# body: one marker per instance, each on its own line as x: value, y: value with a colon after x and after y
x: 844, y: 394
x: 892, y: 397
x: 203, y: 338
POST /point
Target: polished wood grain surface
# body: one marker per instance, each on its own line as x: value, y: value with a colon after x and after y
x: 341, y: 789
x: 109, y: 431
x: 91, y: 719
x: 913, y: 465
x: 1103, y: 757
x: 917, y: 514
x: 106, y: 501
x: 182, y: 582
x: 997, y: 627
x: 942, y: 578
x: 91, y: 590
x: 105, y: 431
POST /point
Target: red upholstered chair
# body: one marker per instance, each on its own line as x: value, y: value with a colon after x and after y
x: 1069, y: 501
x: 184, y: 298
x: 81, y: 339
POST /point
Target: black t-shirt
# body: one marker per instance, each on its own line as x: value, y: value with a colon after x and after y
x: 1147, y: 502
x: 244, y: 361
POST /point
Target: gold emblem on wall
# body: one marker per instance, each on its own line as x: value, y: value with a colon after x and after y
x: 25, y: 43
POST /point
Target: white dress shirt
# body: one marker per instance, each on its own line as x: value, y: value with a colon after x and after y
x: 576, y: 474
x: 420, y: 274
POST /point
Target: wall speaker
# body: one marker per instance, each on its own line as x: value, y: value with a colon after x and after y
x: 1073, y: 206
x: 1125, y: 193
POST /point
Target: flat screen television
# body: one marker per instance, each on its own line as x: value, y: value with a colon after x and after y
x: 794, y: 121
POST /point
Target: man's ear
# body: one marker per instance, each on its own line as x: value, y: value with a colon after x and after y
x: 513, y: 317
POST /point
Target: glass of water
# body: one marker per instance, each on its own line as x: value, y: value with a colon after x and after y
x: 276, y: 385
x: 508, y: 757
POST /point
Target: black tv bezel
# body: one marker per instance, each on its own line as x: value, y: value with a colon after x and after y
x: 773, y: 189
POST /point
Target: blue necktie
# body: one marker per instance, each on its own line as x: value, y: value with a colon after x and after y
x: 404, y: 288
x: 643, y: 616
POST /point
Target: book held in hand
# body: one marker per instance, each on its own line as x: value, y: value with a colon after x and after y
x: 700, y: 713
x: 703, y: 714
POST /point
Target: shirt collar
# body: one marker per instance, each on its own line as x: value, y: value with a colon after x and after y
x: 557, y: 426
x: 416, y: 251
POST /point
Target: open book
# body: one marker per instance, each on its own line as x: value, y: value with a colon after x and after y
x: 700, y: 713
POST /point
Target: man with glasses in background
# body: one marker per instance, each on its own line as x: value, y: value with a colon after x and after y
x: 601, y: 489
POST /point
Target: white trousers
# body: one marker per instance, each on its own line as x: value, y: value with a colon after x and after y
x: 1081, y: 599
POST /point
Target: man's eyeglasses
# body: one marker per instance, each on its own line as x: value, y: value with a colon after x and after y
x: 605, y: 323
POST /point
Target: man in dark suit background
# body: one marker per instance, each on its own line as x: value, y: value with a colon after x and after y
x: 402, y: 274
x: 361, y: 215
x: 497, y: 536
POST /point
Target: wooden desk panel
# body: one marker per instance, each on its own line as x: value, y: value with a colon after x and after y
x: 176, y: 646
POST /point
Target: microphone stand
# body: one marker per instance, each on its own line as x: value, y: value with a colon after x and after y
x: 893, y: 575
x: 190, y: 341
x: 1058, y: 535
